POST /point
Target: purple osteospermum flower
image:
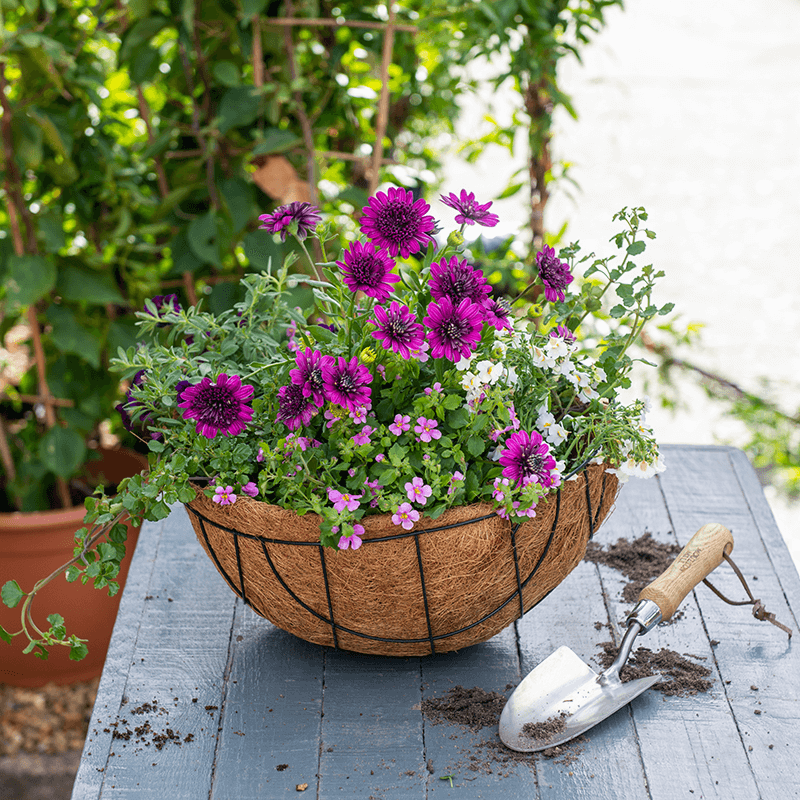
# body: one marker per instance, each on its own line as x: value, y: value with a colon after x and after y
x: 303, y: 217
x: 405, y: 516
x: 294, y: 408
x: 346, y: 382
x: 398, y: 223
x: 418, y: 491
x: 368, y: 269
x: 496, y: 313
x: 454, y: 329
x: 308, y: 375
x: 456, y: 280
x: 470, y: 211
x: 250, y: 489
x: 526, y: 458
x: 554, y: 273
x: 219, y: 407
x: 398, y: 329
x: 224, y: 496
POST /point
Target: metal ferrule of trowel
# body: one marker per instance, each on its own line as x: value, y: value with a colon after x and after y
x: 563, y: 697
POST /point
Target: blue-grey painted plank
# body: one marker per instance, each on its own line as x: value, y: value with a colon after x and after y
x: 372, y: 739
x: 178, y: 664
x: 608, y: 762
x: 701, y: 486
x: 269, y: 743
x: 490, y: 666
x: 89, y: 778
x: 688, y: 744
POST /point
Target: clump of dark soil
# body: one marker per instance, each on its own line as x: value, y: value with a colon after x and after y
x: 641, y: 561
x: 542, y: 731
x: 680, y: 677
x: 473, y: 708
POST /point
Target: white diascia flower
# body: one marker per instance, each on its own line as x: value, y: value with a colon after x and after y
x: 489, y: 372
x: 470, y: 382
x: 463, y: 363
x: 637, y: 469
x: 511, y: 376
x: 541, y: 358
x: 557, y: 347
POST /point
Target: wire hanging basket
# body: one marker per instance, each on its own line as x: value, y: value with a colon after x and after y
x: 446, y: 584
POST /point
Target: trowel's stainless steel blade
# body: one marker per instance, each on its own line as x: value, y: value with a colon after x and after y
x: 563, y: 697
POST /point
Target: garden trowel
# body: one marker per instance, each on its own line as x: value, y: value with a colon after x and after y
x: 563, y: 697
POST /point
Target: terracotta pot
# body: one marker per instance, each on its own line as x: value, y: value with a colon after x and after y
x: 34, y: 544
x: 446, y: 584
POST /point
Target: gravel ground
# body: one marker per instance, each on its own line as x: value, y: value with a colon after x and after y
x: 41, y: 738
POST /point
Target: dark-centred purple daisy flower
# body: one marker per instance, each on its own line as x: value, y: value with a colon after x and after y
x: 469, y: 210
x: 346, y: 383
x: 497, y: 312
x: 366, y: 268
x: 219, y: 407
x: 294, y: 408
x: 454, y: 330
x: 398, y: 329
x: 397, y: 222
x: 554, y: 273
x: 526, y: 459
x: 308, y: 374
x: 456, y: 280
x: 297, y: 218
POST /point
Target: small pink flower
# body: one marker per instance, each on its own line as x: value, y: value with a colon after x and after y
x: 405, y: 516
x: 353, y: 540
x: 418, y: 491
x: 500, y: 488
x: 225, y: 497
x: 380, y: 457
x: 426, y: 429
x: 456, y: 476
x: 260, y: 456
x: 400, y: 424
x: 250, y: 489
x: 363, y: 437
x: 359, y: 415
x: 421, y: 354
x: 333, y: 417
x: 344, y: 500
x: 437, y: 387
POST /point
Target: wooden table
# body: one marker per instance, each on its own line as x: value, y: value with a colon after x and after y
x: 243, y: 710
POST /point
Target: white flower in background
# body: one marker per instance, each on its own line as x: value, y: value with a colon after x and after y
x: 557, y: 347
x: 463, y: 363
x: 544, y: 421
x: 599, y: 375
x: 541, y: 358
x: 489, y: 372
x: 565, y: 368
x: 470, y: 382
x: 557, y: 434
x: 637, y: 469
x: 511, y: 376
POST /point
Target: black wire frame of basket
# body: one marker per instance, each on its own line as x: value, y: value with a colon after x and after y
x: 431, y: 638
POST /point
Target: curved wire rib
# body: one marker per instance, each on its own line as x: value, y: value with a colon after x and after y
x: 431, y: 638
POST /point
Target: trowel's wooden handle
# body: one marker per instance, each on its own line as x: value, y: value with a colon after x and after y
x: 701, y: 556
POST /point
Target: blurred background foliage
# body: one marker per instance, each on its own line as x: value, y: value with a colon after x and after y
x: 141, y: 139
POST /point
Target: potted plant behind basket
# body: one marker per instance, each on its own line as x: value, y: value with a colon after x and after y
x: 408, y: 463
x: 63, y: 311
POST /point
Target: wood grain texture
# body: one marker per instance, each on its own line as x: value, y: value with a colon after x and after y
x: 266, y: 712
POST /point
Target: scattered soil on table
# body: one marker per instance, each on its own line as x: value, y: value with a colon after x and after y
x: 472, y: 708
x: 641, y: 561
x: 681, y: 677
x: 542, y: 731
x: 50, y: 719
x: 475, y: 709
